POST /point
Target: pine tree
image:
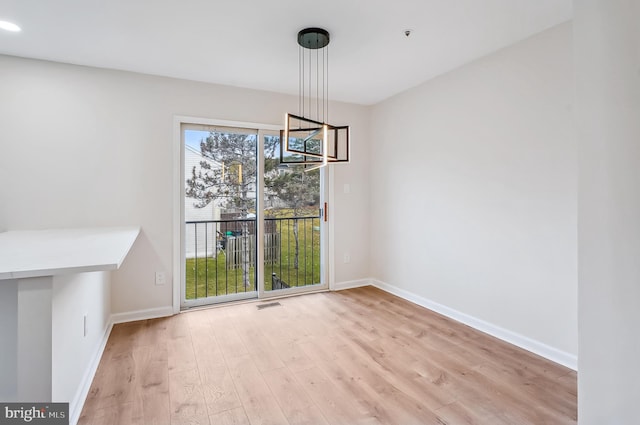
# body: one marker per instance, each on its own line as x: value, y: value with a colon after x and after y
x: 232, y: 178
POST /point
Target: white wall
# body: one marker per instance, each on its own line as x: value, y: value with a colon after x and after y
x: 72, y: 352
x: 91, y: 147
x: 607, y: 76
x: 473, y: 192
x: 73, y: 356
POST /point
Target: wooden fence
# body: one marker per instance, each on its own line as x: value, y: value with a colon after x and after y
x: 241, y: 249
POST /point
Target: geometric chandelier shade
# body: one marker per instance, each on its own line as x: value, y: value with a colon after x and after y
x: 308, y: 139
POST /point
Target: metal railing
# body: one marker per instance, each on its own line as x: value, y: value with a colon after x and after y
x: 221, y: 254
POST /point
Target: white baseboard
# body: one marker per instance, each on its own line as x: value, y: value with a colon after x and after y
x: 76, y: 405
x: 339, y: 286
x: 536, y: 347
x: 151, y: 313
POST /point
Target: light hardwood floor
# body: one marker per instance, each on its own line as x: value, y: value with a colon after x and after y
x: 359, y: 356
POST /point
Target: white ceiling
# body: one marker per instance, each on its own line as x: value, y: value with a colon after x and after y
x: 252, y: 43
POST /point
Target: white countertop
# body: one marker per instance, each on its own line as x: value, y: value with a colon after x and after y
x: 33, y: 253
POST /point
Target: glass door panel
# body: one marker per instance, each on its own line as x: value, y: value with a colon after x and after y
x: 293, y: 224
x: 220, y: 170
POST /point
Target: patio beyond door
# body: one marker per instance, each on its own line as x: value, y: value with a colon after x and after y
x: 253, y: 227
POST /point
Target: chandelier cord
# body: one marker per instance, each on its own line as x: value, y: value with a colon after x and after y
x: 305, y: 81
x: 309, y: 94
x: 300, y: 84
x: 325, y: 83
x: 317, y: 82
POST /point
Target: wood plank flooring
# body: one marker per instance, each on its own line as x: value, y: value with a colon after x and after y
x: 359, y: 356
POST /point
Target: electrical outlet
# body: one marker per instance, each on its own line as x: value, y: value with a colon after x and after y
x: 347, y: 258
x: 161, y: 278
x: 347, y: 188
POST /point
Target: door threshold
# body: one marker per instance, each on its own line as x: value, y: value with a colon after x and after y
x: 249, y: 301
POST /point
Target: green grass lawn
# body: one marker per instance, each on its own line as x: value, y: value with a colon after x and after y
x: 209, y: 277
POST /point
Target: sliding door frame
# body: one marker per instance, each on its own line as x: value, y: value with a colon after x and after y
x: 327, y: 274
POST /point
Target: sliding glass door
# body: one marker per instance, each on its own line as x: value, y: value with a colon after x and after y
x: 253, y: 227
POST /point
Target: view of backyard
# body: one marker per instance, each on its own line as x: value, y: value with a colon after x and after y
x: 221, y: 191
x: 213, y: 276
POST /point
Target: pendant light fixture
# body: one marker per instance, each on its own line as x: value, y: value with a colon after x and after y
x: 308, y: 138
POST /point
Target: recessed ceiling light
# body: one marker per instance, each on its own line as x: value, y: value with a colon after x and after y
x: 9, y: 26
